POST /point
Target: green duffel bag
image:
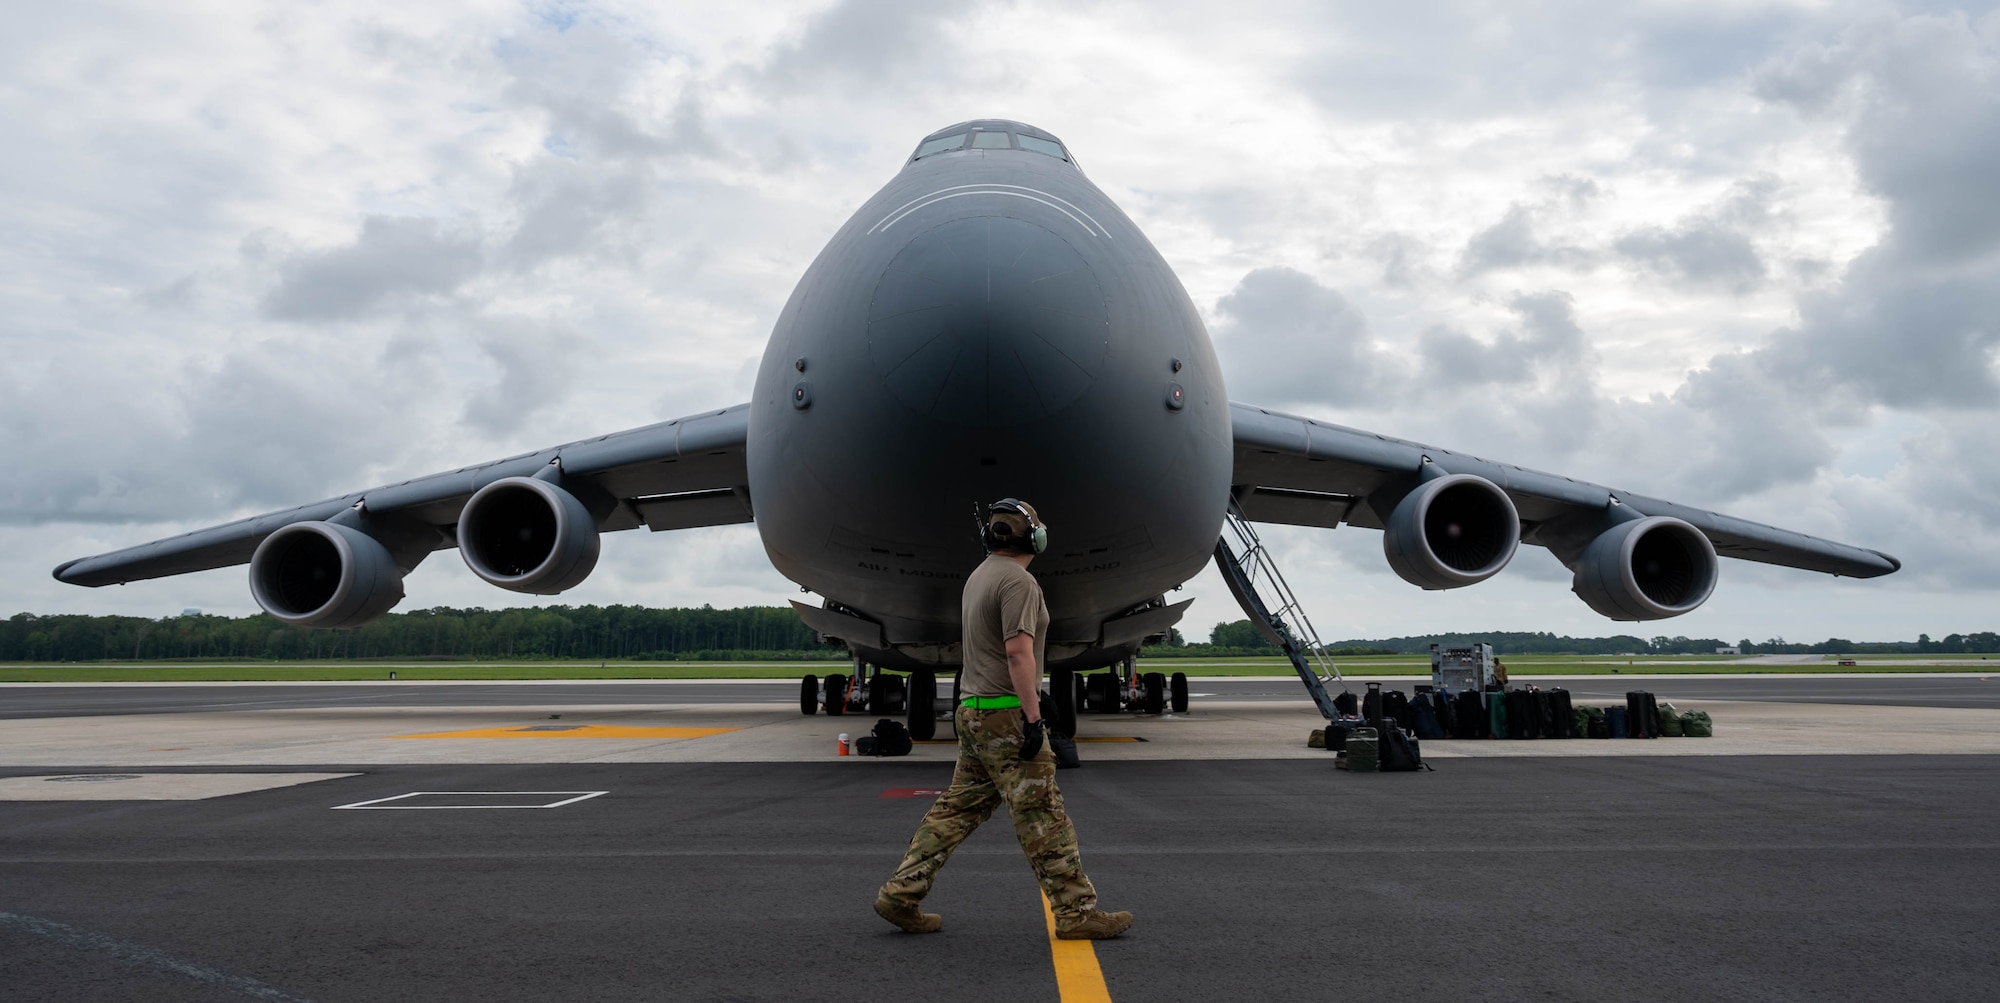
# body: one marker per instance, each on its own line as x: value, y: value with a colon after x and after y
x: 1696, y: 724
x: 1670, y: 721
x: 1580, y: 722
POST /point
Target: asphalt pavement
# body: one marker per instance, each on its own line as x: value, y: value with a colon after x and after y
x: 1824, y: 877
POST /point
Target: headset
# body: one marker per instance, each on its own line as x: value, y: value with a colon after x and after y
x: 997, y: 535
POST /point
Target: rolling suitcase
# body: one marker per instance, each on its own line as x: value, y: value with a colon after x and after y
x: 1447, y: 714
x: 1567, y: 725
x: 1521, y: 715
x: 1614, y: 721
x: 1473, y: 721
x: 1642, y: 715
x: 1397, y: 707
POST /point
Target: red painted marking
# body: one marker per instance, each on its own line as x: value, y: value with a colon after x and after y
x: 913, y: 792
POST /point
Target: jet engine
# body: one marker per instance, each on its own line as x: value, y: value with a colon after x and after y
x: 1646, y: 569
x: 528, y: 535
x: 1452, y: 531
x: 320, y: 574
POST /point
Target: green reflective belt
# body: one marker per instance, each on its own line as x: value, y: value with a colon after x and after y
x: 990, y: 703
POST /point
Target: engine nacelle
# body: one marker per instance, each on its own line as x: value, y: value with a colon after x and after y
x: 1647, y: 569
x: 1452, y: 531
x: 528, y: 535
x: 319, y: 574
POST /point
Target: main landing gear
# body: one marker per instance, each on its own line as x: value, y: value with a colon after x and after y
x: 1121, y: 689
x: 871, y: 690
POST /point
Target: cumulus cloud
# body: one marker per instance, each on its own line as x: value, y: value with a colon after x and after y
x: 1548, y: 336
x: 1710, y: 248
x: 393, y: 259
x: 538, y: 364
x: 1284, y: 337
x: 868, y: 42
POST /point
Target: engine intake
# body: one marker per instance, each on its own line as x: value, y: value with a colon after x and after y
x: 1452, y: 531
x: 318, y: 574
x: 528, y: 535
x: 1647, y: 569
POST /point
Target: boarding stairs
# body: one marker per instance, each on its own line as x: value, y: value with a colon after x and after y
x: 1251, y: 574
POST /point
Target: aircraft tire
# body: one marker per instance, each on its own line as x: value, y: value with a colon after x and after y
x: 809, y: 695
x: 1062, y: 692
x: 1077, y: 695
x: 1153, y: 687
x: 878, y: 693
x: 1178, y: 690
x: 1101, y: 693
x: 836, y: 694
x: 923, y: 701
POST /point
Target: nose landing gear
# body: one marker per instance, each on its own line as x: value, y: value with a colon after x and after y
x: 873, y: 691
x: 1123, y: 689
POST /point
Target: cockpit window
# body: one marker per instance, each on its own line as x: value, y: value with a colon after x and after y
x: 1042, y: 146
x: 990, y: 141
x: 942, y: 144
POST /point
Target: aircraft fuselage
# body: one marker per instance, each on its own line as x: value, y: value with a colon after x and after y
x: 989, y: 324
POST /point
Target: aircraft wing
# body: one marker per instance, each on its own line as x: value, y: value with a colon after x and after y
x: 674, y: 475
x: 1313, y: 473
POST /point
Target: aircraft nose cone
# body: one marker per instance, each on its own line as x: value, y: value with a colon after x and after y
x: 988, y: 321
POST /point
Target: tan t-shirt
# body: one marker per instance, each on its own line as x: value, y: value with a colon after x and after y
x: 1001, y: 599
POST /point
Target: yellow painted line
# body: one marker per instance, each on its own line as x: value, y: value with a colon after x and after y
x: 576, y: 731
x: 1077, y: 975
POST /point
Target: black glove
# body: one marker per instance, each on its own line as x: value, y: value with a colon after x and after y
x: 1031, y: 738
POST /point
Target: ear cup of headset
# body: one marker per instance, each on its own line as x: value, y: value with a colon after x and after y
x: 1000, y: 536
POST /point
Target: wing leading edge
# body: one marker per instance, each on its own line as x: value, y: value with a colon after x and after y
x: 1297, y: 470
x: 677, y: 474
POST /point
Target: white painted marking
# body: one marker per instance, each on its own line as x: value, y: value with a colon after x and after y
x: 88, y: 940
x: 1018, y: 195
x: 1094, y: 228
x: 382, y: 804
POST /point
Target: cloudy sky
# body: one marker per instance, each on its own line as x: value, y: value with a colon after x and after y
x: 1742, y: 255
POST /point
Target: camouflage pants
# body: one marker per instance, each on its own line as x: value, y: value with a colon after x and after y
x: 990, y: 771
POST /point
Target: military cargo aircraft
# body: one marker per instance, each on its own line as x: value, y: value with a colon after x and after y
x: 989, y: 324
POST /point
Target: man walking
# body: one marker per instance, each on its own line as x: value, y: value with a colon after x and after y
x: 1001, y: 756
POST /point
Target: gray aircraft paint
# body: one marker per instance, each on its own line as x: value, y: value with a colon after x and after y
x: 988, y: 324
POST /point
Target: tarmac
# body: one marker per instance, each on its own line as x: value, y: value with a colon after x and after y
x: 703, y: 841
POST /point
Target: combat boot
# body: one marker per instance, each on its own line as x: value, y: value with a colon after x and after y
x: 908, y: 918
x: 1096, y: 925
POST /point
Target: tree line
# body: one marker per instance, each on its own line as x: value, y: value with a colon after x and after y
x: 1242, y: 637
x: 549, y: 632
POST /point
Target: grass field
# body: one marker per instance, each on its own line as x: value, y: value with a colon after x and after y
x: 1373, y: 665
